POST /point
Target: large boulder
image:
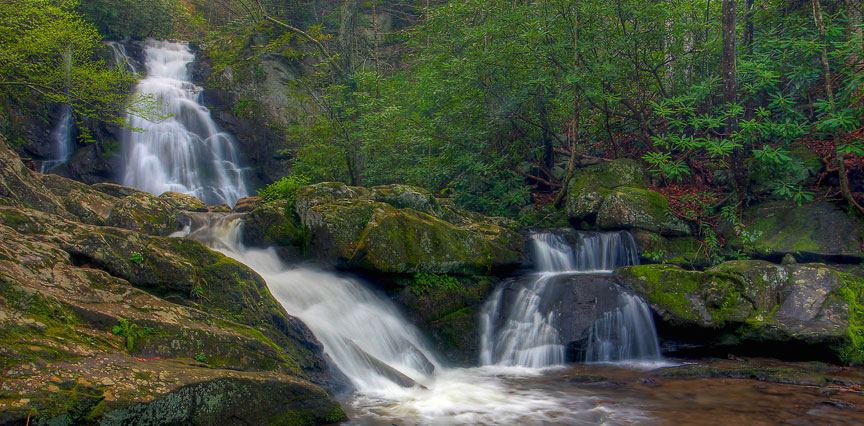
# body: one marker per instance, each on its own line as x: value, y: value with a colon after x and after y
x: 811, y: 304
x: 819, y: 231
x: 614, y: 195
x: 389, y: 229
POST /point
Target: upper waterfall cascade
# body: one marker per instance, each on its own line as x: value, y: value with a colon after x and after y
x: 185, y: 152
x: 523, y: 330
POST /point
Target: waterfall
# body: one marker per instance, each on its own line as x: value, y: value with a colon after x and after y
x: 121, y: 57
x: 364, y: 334
x: 185, y: 152
x: 398, y: 379
x: 627, y: 333
x: 520, y: 323
x: 63, y: 133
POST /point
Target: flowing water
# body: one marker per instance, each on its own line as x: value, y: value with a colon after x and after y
x: 378, y: 349
x: 525, y: 330
x: 185, y: 151
x: 63, y: 134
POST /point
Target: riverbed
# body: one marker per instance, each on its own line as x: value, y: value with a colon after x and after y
x: 705, y: 392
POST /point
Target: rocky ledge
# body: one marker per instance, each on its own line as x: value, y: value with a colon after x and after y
x: 801, y: 307
x: 105, y: 320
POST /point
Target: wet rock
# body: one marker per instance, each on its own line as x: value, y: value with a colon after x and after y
x: 85, y: 340
x: 247, y: 204
x: 448, y: 309
x: 818, y: 231
x: 762, y: 302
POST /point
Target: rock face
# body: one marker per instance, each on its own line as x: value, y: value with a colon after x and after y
x: 811, y: 304
x: 576, y: 301
x: 395, y: 229
x: 447, y: 309
x: 100, y: 324
x: 614, y: 195
x: 818, y: 231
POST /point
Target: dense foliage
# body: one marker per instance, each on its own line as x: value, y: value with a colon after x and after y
x: 500, y: 98
x: 48, y: 50
x: 135, y: 18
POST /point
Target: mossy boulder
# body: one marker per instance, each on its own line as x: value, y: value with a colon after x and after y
x: 590, y: 186
x: 393, y: 229
x: 683, y: 251
x: 273, y: 224
x: 448, y: 309
x: 812, y: 304
x: 614, y: 195
x: 145, y: 213
x: 819, y: 231
x: 636, y: 208
x: 409, y: 241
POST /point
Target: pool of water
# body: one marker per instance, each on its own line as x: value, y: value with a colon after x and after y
x: 617, y: 394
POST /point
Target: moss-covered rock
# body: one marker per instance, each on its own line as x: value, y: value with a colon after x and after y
x: 683, y: 251
x: 391, y: 229
x: 614, y: 195
x: 629, y: 208
x: 763, y: 302
x: 591, y: 185
x: 447, y: 308
x: 101, y: 324
x: 185, y: 202
x: 409, y: 241
x: 273, y: 224
x: 818, y: 231
x: 145, y: 213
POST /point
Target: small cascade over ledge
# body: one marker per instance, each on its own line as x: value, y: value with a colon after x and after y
x: 185, y: 152
x: 571, y: 309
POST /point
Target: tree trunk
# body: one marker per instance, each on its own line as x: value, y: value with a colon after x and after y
x: 749, y: 113
x: 829, y: 93
x: 729, y: 65
x: 853, y: 13
x: 347, y: 36
x: 574, y: 126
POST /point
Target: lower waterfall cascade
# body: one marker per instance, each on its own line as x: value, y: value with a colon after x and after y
x: 394, y: 373
x: 525, y: 332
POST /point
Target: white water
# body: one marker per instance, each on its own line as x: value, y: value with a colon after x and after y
x: 62, y: 138
x: 625, y: 334
x: 63, y: 133
x: 344, y: 314
x: 529, y: 336
x: 185, y: 152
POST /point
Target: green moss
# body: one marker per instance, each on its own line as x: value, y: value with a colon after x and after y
x: 668, y: 287
x: 852, y: 292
